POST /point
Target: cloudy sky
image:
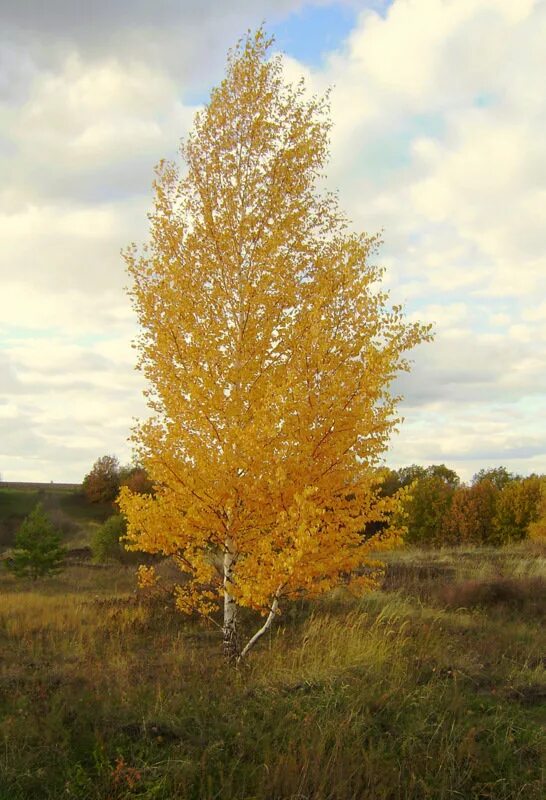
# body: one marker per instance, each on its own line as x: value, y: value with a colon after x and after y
x: 439, y: 109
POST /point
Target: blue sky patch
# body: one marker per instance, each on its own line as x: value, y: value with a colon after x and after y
x: 310, y: 33
x: 484, y: 100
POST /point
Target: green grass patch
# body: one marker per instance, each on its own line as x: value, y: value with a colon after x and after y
x: 68, y: 509
x: 18, y: 502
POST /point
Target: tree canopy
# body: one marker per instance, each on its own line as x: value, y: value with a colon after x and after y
x: 101, y: 484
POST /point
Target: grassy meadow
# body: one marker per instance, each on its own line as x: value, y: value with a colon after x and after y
x: 432, y: 687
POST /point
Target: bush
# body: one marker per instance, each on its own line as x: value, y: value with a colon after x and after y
x: 106, y: 544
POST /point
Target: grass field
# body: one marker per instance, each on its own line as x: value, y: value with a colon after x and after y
x: 433, y: 688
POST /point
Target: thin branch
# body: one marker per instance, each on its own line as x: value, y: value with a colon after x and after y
x: 265, y: 627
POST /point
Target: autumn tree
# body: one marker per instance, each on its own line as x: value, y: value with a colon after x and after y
x: 397, y: 479
x: 498, y: 476
x: 38, y: 551
x: 269, y: 351
x: 469, y: 519
x: 406, y: 476
x: 445, y: 474
x: 425, y: 500
x: 136, y: 479
x: 537, y: 527
x: 425, y: 508
x: 518, y: 506
x: 101, y: 484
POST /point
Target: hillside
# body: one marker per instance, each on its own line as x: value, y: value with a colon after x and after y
x: 66, y: 506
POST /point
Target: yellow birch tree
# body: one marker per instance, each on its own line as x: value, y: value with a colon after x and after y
x: 269, y: 350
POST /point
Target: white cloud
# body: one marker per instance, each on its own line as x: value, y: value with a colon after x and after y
x: 467, y: 439
x: 450, y: 95
x: 64, y: 247
x: 91, y: 132
x: 439, y: 112
x: 70, y: 404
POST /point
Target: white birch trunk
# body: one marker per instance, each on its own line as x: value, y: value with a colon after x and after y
x: 231, y: 644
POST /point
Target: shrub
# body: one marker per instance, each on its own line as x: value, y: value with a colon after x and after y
x: 106, y: 544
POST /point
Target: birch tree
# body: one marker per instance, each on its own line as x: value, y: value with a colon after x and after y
x: 268, y: 349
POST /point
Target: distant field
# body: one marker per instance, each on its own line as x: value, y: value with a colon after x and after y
x: 432, y: 689
x: 27, y: 486
x: 66, y: 506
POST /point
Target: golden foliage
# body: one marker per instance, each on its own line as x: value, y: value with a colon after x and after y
x: 269, y: 351
x: 537, y: 527
x: 146, y: 578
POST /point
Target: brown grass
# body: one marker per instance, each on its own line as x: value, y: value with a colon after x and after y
x: 525, y: 595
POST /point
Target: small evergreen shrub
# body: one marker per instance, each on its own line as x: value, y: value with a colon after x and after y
x: 38, y: 551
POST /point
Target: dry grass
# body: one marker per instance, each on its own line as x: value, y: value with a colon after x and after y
x: 392, y: 697
x: 525, y: 595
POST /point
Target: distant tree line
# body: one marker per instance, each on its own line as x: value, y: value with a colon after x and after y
x: 495, y: 508
x: 435, y: 507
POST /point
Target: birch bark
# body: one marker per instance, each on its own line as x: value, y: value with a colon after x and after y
x: 231, y: 642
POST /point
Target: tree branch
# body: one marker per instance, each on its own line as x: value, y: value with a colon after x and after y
x: 265, y: 627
